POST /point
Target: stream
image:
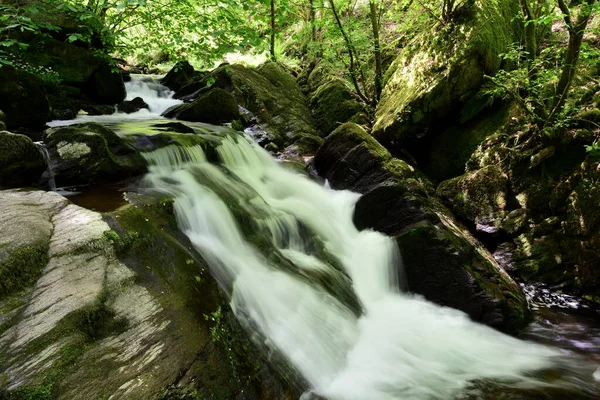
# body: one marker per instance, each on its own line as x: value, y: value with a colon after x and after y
x: 306, y: 284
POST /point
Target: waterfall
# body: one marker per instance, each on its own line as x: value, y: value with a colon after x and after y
x: 49, y: 170
x: 309, y: 285
x: 158, y: 97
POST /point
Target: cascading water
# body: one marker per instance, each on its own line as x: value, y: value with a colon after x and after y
x: 158, y: 97
x: 49, y: 169
x: 308, y: 284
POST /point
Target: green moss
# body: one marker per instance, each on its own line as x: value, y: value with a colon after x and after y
x: 22, y: 268
x: 32, y: 393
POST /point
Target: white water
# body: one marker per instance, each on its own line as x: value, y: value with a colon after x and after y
x: 158, y: 97
x: 400, y: 347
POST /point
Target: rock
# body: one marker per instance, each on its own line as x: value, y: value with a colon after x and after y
x: 542, y: 156
x: 429, y: 83
x: 131, y: 106
x: 442, y: 261
x: 98, y: 109
x: 216, y: 107
x: 331, y: 101
x: 23, y: 99
x: 271, y: 94
x: 124, y: 312
x: 478, y: 197
x: 90, y: 153
x: 21, y: 162
x: 106, y: 86
x: 180, y: 75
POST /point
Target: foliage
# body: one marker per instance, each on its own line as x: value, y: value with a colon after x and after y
x: 539, y: 77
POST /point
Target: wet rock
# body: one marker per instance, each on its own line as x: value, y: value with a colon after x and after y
x: 131, y: 106
x: 271, y: 94
x: 98, y: 109
x: 23, y: 99
x: 175, y: 127
x: 21, y: 162
x: 117, y: 308
x: 90, y: 153
x: 216, y: 107
x: 442, y: 261
x: 180, y: 75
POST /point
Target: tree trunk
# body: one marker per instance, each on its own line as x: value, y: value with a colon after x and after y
x: 376, y: 50
x: 273, y: 30
x: 576, y: 32
x: 350, y: 48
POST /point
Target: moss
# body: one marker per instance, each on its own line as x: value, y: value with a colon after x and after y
x: 22, y: 268
x: 32, y: 393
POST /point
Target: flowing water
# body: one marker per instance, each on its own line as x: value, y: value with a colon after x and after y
x: 308, y: 285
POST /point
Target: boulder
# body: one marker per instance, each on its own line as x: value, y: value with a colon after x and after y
x: 431, y: 83
x: 131, y: 106
x: 21, y: 162
x: 23, y: 99
x: 105, y: 86
x: 442, y: 261
x: 331, y: 101
x: 90, y: 153
x: 271, y: 94
x: 180, y: 75
x: 2, y: 119
x: 116, y: 305
x: 215, y: 106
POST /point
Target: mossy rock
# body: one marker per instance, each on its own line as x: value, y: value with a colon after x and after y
x: 21, y: 162
x: 180, y: 75
x: 433, y: 77
x: 352, y: 159
x: 273, y: 97
x: 215, y: 106
x: 90, y: 153
x: 333, y: 104
x: 479, y: 195
x: 23, y: 99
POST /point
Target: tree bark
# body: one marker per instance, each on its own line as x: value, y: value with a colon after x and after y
x: 273, y: 30
x: 376, y: 50
x: 576, y: 31
x: 350, y: 48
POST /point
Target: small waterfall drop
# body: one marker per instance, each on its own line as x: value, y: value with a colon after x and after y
x: 158, y: 97
x: 49, y: 170
x: 308, y: 284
